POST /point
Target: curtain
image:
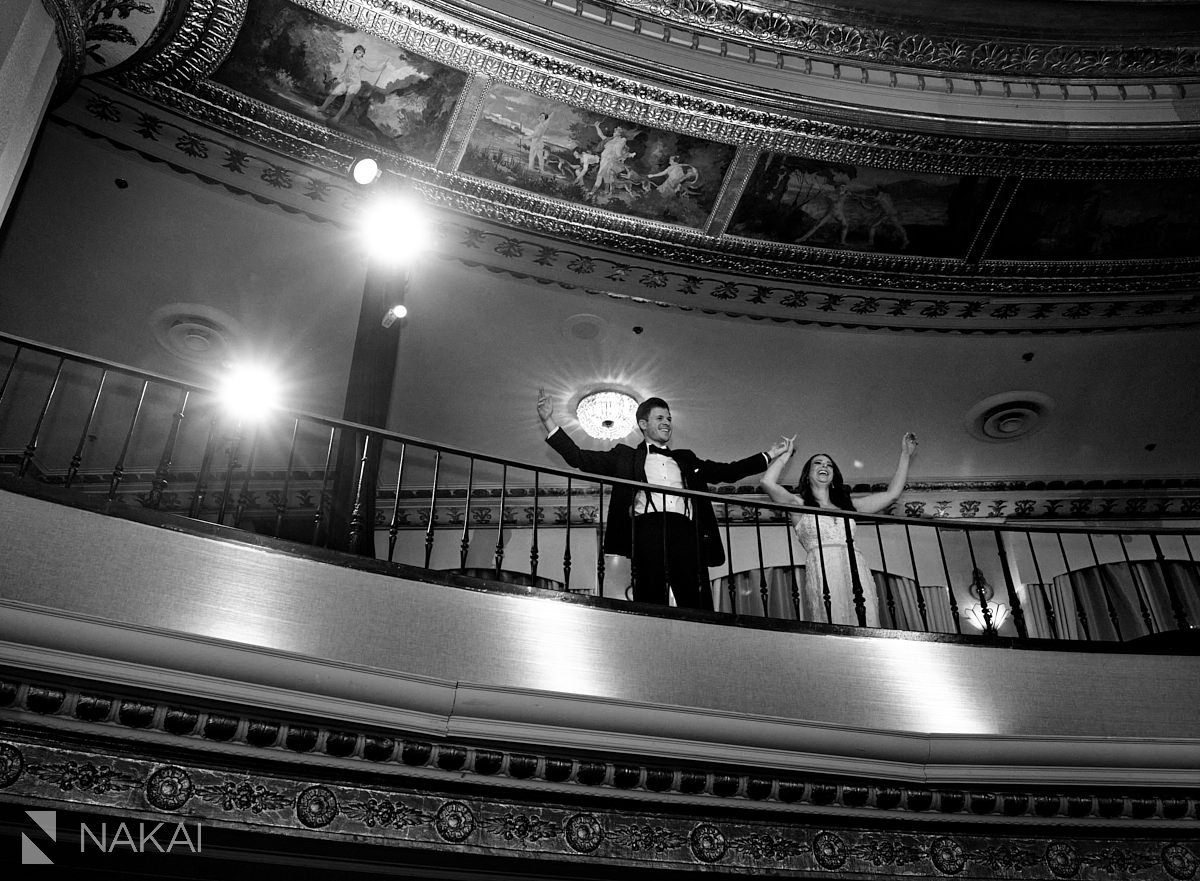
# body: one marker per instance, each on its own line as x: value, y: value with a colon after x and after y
x: 789, y: 598
x: 1084, y: 603
x: 908, y: 613
x: 786, y: 594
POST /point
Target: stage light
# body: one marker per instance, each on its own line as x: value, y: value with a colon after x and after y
x: 394, y: 314
x: 249, y: 391
x: 396, y: 228
x: 365, y: 171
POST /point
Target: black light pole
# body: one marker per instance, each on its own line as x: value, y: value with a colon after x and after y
x: 392, y: 218
x: 372, y: 367
x: 368, y: 395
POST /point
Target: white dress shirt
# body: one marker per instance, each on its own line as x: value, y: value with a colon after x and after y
x: 662, y: 471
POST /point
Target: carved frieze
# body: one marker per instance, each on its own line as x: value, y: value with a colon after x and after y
x: 880, y: 44
x: 290, y: 800
x: 449, y: 41
x: 36, y: 762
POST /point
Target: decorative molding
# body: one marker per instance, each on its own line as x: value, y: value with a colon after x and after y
x: 197, y: 45
x: 295, y: 804
x: 838, y: 288
x: 728, y: 118
x: 52, y: 713
x: 322, y: 193
x: 466, y: 113
x: 69, y: 31
x: 884, y: 45
x: 821, y: 52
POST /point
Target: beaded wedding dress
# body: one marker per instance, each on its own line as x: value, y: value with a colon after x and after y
x: 829, y: 562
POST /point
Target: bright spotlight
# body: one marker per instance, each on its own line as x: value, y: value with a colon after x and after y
x: 365, y: 171
x: 249, y: 391
x: 396, y: 228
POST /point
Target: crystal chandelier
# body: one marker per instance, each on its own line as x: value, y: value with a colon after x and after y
x: 607, y: 415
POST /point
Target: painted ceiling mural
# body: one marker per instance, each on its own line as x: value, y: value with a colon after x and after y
x: 792, y: 199
x: 775, y: 212
x: 557, y: 150
x: 1101, y: 220
x: 303, y: 63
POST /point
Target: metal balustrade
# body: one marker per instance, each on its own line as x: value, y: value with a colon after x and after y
x: 123, y: 436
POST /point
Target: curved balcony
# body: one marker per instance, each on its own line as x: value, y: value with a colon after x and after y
x: 157, y: 602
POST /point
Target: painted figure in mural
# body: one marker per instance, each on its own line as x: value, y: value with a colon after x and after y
x: 835, y: 212
x: 351, y: 80
x: 825, y: 538
x: 884, y: 214
x: 537, y: 143
x: 680, y: 178
x: 558, y: 166
x: 614, y: 150
x: 586, y: 161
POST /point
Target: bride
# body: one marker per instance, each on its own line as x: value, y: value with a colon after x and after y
x: 824, y: 537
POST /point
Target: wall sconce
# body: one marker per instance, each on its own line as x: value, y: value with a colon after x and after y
x: 607, y: 415
x: 984, y: 615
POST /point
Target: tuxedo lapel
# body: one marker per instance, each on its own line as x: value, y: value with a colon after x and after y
x: 639, y: 462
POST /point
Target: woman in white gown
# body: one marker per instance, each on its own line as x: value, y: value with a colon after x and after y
x: 824, y: 537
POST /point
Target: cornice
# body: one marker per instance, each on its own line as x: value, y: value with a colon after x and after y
x: 69, y: 31
x: 40, y: 712
x: 199, y: 41
x: 927, y: 47
x: 838, y: 70
x: 469, y: 37
x: 369, y: 812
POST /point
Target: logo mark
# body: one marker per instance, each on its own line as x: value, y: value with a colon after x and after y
x: 31, y: 853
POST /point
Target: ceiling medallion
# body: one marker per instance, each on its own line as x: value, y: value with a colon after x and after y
x: 585, y: 328
x: 195, y: 333
x: 607, y: 414
x: 1009, y: 416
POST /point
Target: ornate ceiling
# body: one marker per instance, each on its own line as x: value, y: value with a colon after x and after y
x: 970, y: 167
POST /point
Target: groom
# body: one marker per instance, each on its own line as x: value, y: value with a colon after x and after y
x: 671, y: 539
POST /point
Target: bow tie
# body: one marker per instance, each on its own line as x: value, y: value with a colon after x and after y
x: 662, y: 451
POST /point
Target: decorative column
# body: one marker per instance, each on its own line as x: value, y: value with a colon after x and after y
x: 41, y: 50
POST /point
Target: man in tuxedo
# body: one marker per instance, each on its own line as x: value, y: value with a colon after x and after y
x: 671, y: 539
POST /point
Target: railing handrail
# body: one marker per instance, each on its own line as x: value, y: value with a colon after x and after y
x: 971, y: 524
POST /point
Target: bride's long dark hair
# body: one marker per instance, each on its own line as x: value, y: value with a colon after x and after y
x: 839, y: 493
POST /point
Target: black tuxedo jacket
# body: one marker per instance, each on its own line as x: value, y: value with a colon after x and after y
x: 629, y: 463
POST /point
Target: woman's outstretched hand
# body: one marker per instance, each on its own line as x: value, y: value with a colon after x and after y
x: 784, y: 447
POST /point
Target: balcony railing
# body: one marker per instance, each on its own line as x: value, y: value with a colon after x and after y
x: 129, y: 437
